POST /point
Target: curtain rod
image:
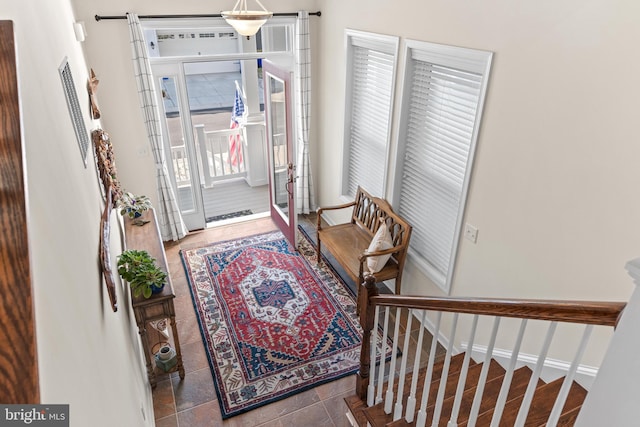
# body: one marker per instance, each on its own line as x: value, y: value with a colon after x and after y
x: 217, y: 15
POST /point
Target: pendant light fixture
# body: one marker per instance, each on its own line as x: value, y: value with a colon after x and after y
x: 246, y: 22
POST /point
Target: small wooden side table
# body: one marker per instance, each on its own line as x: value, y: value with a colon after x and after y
x: 159, y: 306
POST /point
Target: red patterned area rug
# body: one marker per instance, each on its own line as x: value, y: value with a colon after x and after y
x: 274, y: 323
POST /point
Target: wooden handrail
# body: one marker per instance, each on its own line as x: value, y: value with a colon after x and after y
x: 584, y: 312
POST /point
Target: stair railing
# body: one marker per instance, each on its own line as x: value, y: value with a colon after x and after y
x: 370, y: 386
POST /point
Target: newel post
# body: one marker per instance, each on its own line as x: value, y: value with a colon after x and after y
x: 367, y: 321
x: 633, y: 268
x: 612, y: 399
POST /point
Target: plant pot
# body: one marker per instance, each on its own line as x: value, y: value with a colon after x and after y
x: 166, y: 358
x: 135, y: 214
x: 166, y: 352
x: 155, y: 289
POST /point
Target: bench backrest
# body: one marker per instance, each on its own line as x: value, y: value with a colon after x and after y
x: 366, y: 213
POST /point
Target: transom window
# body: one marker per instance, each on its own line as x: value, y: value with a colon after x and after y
x: 180, y: 38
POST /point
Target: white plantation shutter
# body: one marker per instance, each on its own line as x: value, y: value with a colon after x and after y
x: 370, y: 81
x: 442, y: 102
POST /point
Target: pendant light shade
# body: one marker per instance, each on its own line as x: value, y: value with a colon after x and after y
x: 246, y: 22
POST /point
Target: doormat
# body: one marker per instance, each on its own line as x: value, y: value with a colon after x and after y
x: 229, y: 215
x: 273, y: 323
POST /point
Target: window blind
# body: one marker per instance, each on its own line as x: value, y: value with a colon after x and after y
x: 369, y: 102
x: 440, y: 120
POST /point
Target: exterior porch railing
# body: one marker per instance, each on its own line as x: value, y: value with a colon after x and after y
x: 180, y: 165
x: 216, y: 160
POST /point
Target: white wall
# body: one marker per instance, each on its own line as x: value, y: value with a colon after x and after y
x: 88, y: 356
x: 555, y: 175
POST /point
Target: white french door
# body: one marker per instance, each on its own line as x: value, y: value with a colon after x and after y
x: 180, y: 148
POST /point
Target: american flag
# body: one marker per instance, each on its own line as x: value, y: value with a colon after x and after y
x: 235, y: 142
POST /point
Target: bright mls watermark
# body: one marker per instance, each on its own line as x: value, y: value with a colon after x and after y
x: 34, y: 415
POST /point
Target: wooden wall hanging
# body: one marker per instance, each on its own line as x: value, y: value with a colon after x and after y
x: 109, y: 177
x: 92, y: 88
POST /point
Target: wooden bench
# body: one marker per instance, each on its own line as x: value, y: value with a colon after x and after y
x: 349, y: 242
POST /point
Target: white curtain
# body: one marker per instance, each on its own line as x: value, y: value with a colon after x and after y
x: 305, y: 199
x: 169, y: 219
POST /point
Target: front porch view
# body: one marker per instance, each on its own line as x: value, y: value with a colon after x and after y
x: 228, y: 158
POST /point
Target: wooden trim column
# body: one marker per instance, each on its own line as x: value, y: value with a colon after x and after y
x: 18, y: 359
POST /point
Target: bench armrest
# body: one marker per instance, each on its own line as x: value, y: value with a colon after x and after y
x: 364, y: 255
x: 331, y: 208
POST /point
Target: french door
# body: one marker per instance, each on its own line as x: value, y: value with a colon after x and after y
x: 180, y: 150
x: 277, y: 104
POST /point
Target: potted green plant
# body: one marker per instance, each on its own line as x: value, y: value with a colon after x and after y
x: 132, y: 205
x: 140, y: 270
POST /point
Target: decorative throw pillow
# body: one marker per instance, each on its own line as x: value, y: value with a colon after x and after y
x: 381, y: 241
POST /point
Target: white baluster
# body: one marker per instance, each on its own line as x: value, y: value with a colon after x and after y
x: 383, y: 352
x: 445, y: 373
x: 426, y: 387
x: 462, y: 379
x: 372, y: 361
x: 568, y: 380
x: 204, y: 156
x: 223, y: 144
x: 388, y: 402
x: 477, y: 398
x: 506, y: 382
x: 531, y: 389
x: 397, y: 410
x: 411, y: 400
x: 216, y: 155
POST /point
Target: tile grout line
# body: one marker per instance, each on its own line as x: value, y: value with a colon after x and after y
x: 175, y: 406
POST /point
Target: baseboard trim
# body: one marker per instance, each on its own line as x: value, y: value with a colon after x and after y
x: 431, y: 327
x: 552, y: 369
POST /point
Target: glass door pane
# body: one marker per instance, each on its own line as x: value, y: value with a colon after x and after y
x: 277, y: 84
x: 279, y: 152
x: 178, y: 144
x: 179, y: 164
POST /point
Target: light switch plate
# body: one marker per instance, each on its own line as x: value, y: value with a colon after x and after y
x: 471, y: 232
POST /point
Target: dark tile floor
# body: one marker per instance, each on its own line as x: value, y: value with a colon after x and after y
x: 192, y: 402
